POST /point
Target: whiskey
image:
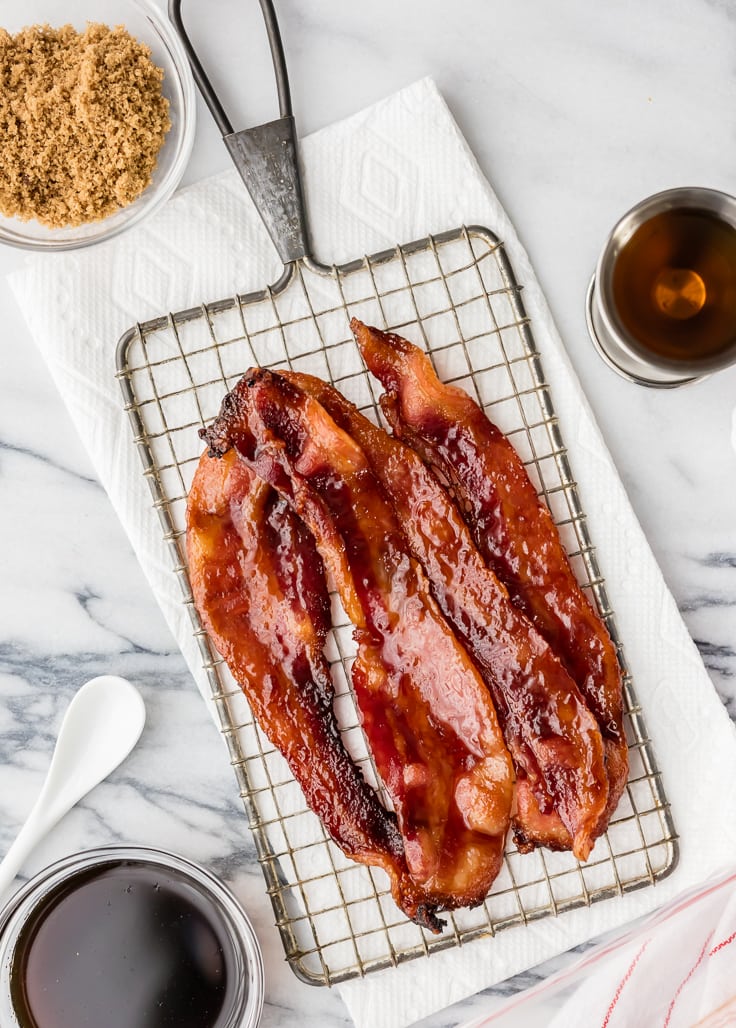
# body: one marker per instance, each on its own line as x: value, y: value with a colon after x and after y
x: 674, y: 285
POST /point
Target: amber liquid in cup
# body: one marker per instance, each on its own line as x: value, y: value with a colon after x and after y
x: 125, y: 945
x: 674, y: 285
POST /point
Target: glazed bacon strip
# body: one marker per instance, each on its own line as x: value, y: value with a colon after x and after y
x: 511, y: 526
x: 551, y: 734
x: 259, y: 586
x: 426, y: 714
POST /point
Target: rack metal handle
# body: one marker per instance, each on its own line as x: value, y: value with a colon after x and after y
x: 266, y: 156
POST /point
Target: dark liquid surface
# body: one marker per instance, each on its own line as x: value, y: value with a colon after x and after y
x: 674, y: 285
x: 125, y: 945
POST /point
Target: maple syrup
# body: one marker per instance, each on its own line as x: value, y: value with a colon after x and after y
x: 126, y: 938
x: 125, y: 946
x: 674, y: 286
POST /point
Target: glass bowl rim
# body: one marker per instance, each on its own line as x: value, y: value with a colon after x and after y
x: 21, y: 905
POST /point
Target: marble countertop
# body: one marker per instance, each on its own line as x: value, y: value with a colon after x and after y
x: 573, y: 119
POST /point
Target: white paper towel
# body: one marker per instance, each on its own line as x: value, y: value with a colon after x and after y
x: 390, y: 174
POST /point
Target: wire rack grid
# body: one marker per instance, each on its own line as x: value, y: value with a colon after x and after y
x: 456, y: 294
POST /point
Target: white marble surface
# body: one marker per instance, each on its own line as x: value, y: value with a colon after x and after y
x: 573, y: 116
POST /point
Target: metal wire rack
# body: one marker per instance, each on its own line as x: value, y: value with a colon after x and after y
x: 455, y: 294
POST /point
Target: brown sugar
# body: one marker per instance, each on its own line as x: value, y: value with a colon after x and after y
x: 82, y: 120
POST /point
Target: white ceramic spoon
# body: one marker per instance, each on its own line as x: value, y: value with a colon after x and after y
x: 101, y: 726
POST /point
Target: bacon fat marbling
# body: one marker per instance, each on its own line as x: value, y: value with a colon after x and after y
x: 512, y: 527
x: 259, y: 586
x: 427, y: 716
x: 551, y: 734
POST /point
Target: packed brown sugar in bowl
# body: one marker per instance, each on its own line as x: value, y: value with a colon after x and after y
x: 82, y: 119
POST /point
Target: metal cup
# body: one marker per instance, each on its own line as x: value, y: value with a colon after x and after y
x: 618, y: 347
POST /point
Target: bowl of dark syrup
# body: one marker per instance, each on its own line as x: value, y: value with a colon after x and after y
x: 662, y: 303
x: 128, y: 937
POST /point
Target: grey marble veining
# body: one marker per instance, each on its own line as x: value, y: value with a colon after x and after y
x: 573, y: 115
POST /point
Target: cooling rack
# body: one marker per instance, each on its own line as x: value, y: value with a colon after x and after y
x: 456, y: 295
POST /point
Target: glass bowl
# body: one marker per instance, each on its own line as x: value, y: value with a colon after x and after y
x: 137, y: 931
x: 146, y: 22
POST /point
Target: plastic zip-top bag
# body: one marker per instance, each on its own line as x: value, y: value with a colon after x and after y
x: 673, y: 969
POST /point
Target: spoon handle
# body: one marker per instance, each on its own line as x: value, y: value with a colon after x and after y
x: 39, y: 822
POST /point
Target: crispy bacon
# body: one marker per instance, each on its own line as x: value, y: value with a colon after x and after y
x: 512, y: 527
x: 259, y: 586
x: 427, y: 716
x: 551, y: 734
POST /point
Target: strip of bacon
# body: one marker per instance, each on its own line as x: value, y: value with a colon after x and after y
x: 259, y: 586
x: 426, y: 714
x: 551, y: 734
x: 512, y: 527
